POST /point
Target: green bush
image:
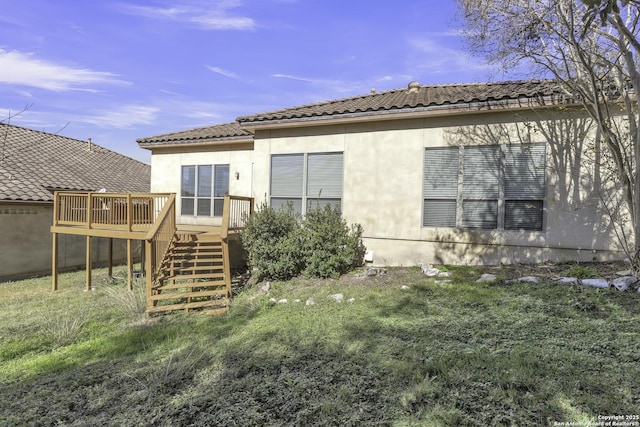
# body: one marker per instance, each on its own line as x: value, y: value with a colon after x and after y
x: 272, y: 241
x: 282, y: 245
x: 331, y: 246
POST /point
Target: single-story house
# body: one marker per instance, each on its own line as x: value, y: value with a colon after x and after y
x: 462, y: 173
x: 34, y: 164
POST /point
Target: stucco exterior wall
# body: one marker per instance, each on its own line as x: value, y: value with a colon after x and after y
x: 25, y: 248
x: 166, y: 169
x: 383, y: 176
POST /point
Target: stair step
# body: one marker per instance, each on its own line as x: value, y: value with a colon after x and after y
x: 189, y: 246
x: 221, y: 304
x: 195, y: 294
x: 210, y: 273
x: 194, y: 268
x: 207, y: 284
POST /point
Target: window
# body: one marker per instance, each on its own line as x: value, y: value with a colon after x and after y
x: 306, y: 180
x: 203, y: 189
x: 485, y: 187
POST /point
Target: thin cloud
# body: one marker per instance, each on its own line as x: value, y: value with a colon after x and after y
x: 17, y: 68
x: 205, y: 15
x: 300, y: 79
x: 441, y: 59
x: 222, y: 72
x: 333, y: 86
x: 126, y: 116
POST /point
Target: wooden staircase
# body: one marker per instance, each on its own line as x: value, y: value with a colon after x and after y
x: 191, y: 271
x: 194, y: 276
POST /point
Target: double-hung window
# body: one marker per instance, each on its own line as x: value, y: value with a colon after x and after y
x: 485, y: 186
x: 306, y: 180
x: 203, y: 189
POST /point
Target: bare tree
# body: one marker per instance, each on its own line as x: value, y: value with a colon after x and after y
x: 591, y: 48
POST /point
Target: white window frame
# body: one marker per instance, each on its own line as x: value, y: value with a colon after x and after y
x: 217, y: 187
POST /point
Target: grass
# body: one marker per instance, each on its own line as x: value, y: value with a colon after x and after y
x: 453, y: 353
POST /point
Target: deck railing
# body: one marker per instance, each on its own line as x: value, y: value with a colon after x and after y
x: 236, y: 211
x: 130, y: 212
x: 158, y: 241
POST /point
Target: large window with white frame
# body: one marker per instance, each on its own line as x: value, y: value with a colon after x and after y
x: 203, y: 188
x: 486, y: 186
x: 306, y: 180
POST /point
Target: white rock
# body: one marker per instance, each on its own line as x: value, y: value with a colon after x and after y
x: 486, y: 277
x: 623, y: 283
x: 528, y: 279
x: 567, y: 280
x: 404, y: 287
x: 310, y: 301
x: 444, y: 274
x: 273, y: 300
x: 351, y: 300
x: 595, y: 283
x: 337, y: 297
x: 430, y: 270
x: 296, y: 300
x: 283, y: 301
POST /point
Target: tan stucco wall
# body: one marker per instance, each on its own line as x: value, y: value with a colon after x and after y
x: 383, y: 175
x: 166, y: 169
x: 26, y: 245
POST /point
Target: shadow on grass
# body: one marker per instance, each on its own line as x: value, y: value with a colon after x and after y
x: 431, y: 355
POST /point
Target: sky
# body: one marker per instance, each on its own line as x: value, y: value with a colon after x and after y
x: 115, y: 71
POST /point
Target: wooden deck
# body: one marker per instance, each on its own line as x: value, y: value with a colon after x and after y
x: 151, y: 219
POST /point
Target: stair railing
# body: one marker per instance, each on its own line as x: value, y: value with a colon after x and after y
x: 235, y: 212
x: 158, y: 241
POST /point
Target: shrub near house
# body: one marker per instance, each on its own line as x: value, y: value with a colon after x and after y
x: 320, y: 244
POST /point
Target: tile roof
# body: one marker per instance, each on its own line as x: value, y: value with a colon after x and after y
x: 31, y: 162
x: 222, y: 132
x: 413, y: 97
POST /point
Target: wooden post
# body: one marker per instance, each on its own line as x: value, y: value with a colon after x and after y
x: 129, y: 265
x: 129, y: 212
x: 110, y: 257
x: 225, y: 216
x: 88, y: 288
x: 149, y: 277
x: 143, y: 259
x: 89, y: 210
x: 226, y: 265
x: 54, y: 263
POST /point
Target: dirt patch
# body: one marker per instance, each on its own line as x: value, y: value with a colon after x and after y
x: 406, y: 275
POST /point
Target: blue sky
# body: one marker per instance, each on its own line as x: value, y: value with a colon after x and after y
x: 120, y: 70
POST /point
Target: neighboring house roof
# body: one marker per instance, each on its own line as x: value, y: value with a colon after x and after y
x: 413, y: 99
x: 416, y: 97
x: 33, y: 162
x: 226, y: 132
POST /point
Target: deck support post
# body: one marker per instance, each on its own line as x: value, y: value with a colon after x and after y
x: 110, y: 273
x: 88, y: 262
x: 54, y: 263
x: 149, y: 276
x: 129, y: 264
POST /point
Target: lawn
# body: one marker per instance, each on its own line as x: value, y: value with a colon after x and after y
x: 432, y: 354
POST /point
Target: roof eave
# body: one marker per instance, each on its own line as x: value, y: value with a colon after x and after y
x: 204, y: 142
x: 478, y: 107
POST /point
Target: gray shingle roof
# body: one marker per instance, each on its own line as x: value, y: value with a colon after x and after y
x: 31, y: 162
x: 412, y: 97
x: 222, y: 132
